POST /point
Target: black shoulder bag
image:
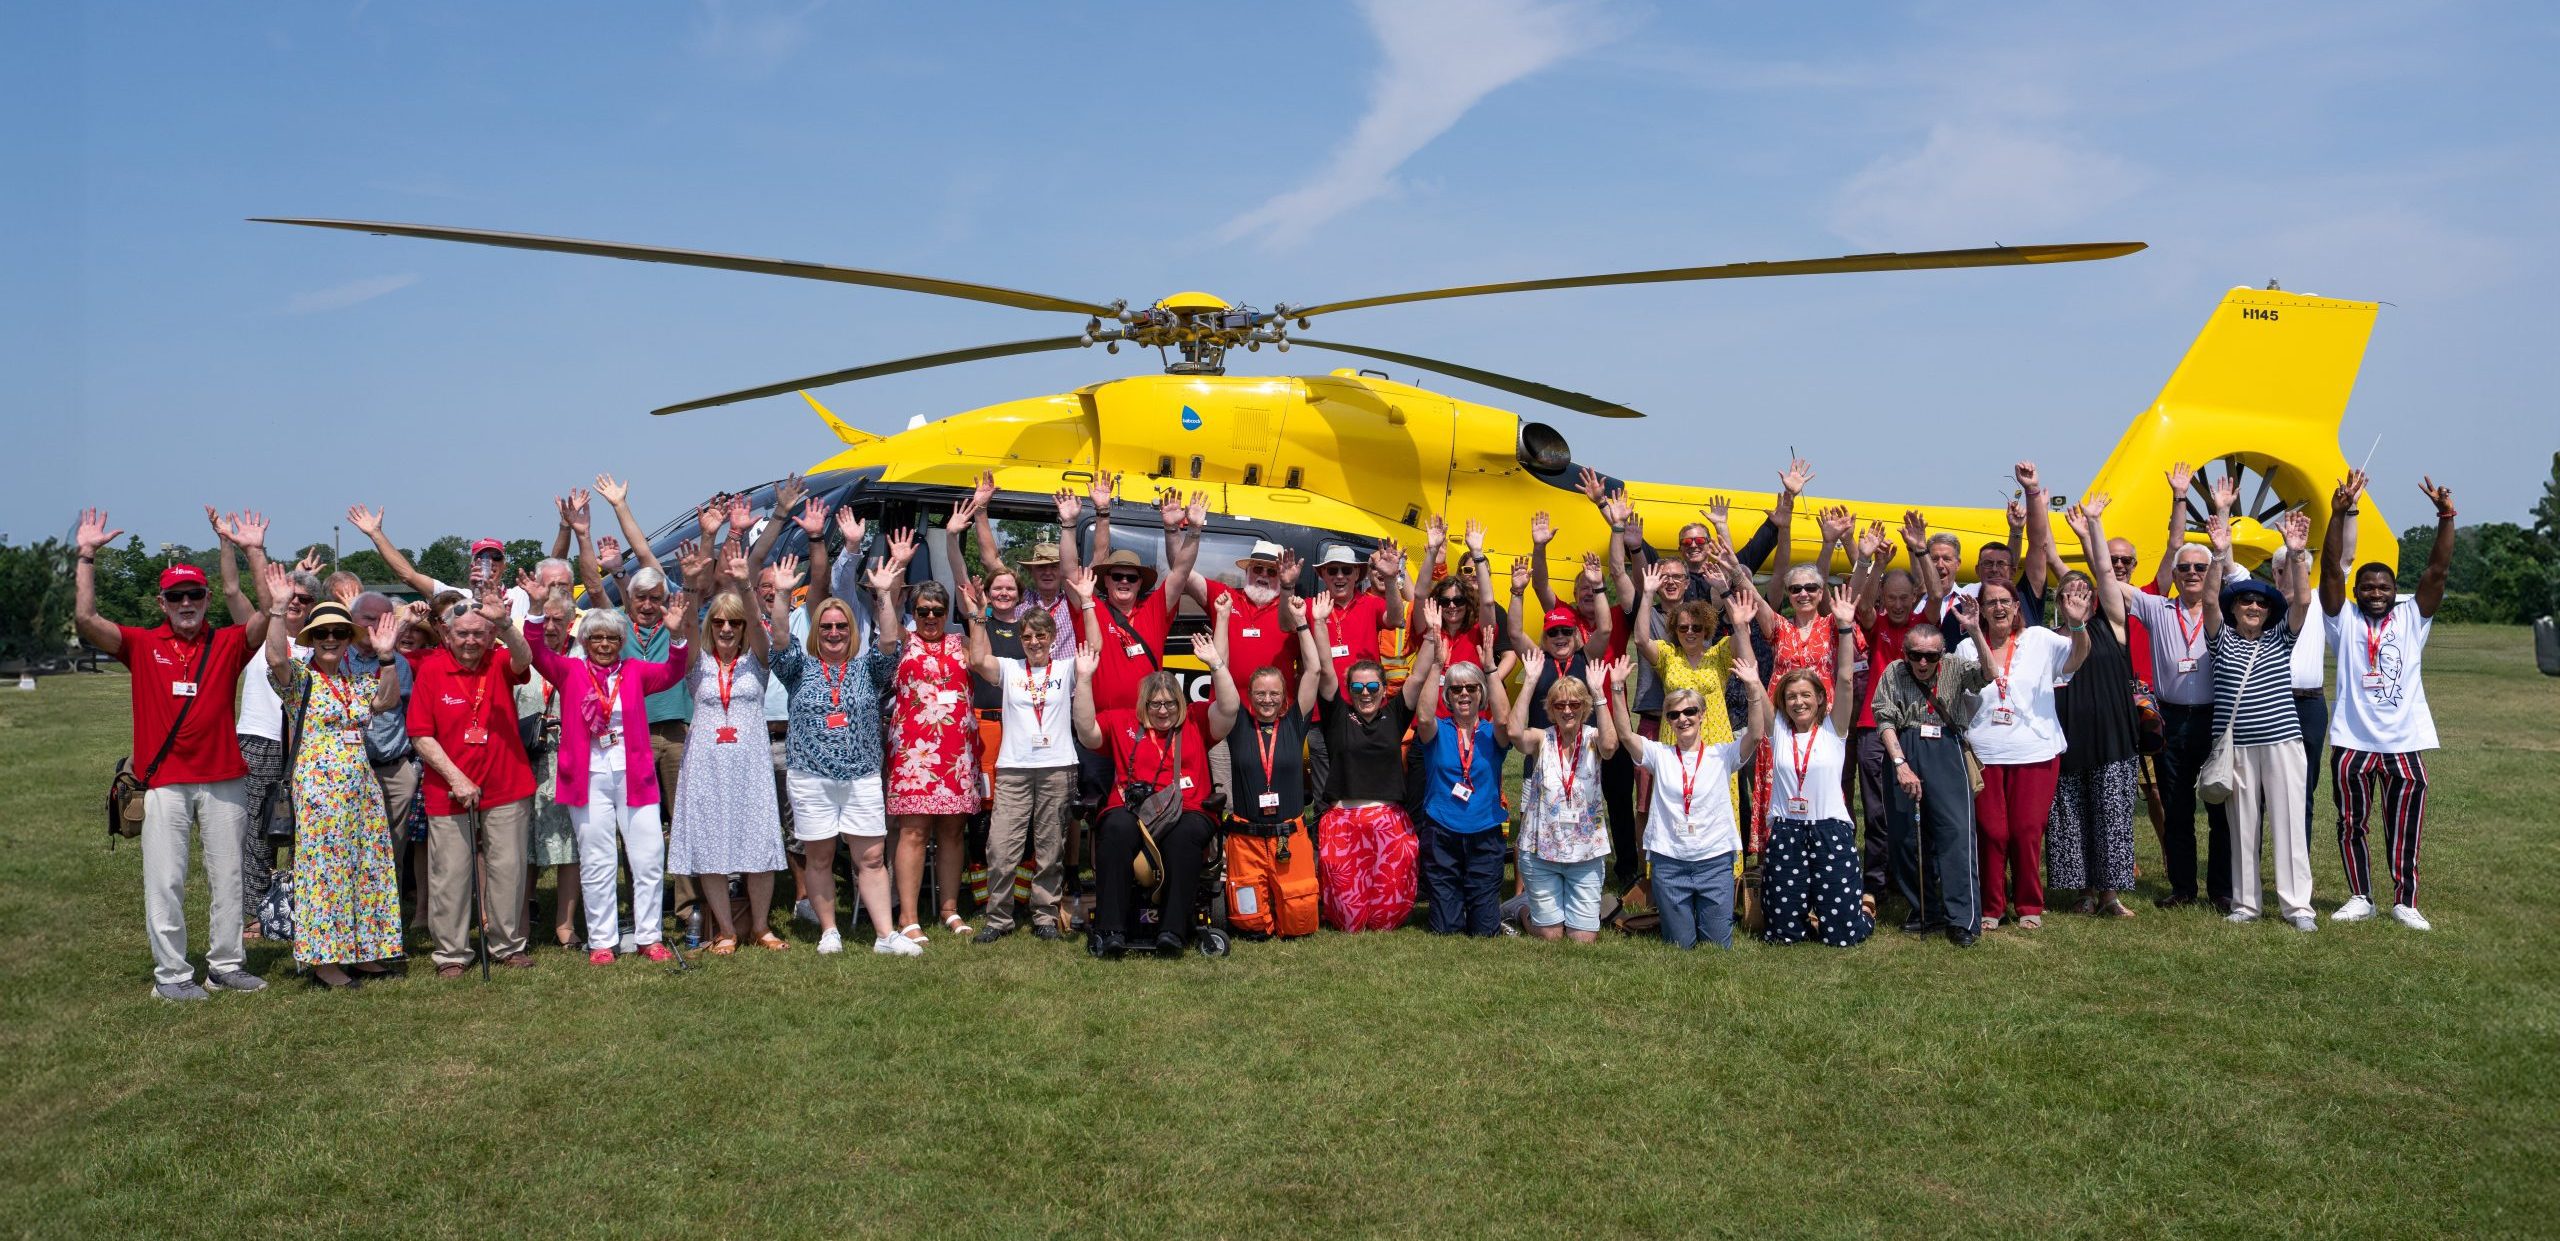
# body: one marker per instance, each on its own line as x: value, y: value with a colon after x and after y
x: 124, y: 792
x: 275, y: 817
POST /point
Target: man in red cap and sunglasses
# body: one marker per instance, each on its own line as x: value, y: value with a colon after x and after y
x: 186, y: 679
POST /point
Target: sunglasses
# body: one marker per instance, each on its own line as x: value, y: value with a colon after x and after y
x: 1367, y: 687
x: 1466, y: 689
x: 1124, y: 577
x: 931, y: 613
x: 1804, y: 588
x: 1689, y: 627
x: 833, y: 626
x: 333, y: 633
x: 184, y: 596
x: 2121, y: 561
x: 723, y: 622
x: 1338, y: 570
x: 1677, y: 714
x: 2191, y: 568
x: 1693, y: 542
x: 305, y: 600
x: 1923, y: 657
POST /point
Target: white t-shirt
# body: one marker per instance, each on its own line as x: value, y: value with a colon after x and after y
x: 1692, y: 818
x: 261, y: 708
x: 2310, y: 660
x: 1041, y: 739
x: 2013, y: 717
x: 1815, y: 797
x: 2388, y: 713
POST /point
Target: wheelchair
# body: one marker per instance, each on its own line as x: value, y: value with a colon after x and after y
x: 1210, y: 935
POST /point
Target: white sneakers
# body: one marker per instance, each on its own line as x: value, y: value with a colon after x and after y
x: 830, y: 943
x: 2240, y: 917
x: 897, y: 946
x: 2357, y: 909
x: 2299, y: 922
x: 2408, y: 916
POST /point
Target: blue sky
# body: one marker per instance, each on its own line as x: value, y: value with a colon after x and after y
x: 161, y: 354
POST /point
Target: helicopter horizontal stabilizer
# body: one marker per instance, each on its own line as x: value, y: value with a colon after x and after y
x: 844, y: 430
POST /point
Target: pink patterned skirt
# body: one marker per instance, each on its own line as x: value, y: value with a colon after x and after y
x: 1364, y: 860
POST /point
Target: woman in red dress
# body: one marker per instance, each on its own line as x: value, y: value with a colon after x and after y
x: 933, y: 750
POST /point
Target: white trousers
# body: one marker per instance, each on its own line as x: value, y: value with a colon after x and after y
x: 605, y: 820
x: 2267, y: 780
x: 220, y: 811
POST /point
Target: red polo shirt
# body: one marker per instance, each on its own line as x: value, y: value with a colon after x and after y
x: 1137, y: 754
x: 445, y: 701
x: 164, y: 677
x: 1351, y: 633
x: 1256, y: 638
x: 1130, y: 653
x: 1884, y: 646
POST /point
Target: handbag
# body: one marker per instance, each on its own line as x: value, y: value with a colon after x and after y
x: 2217, y: 778
x: 2150, y: 726
x: 124, y: 790
x: 1155, y: 814
x: 275, y: 815
x: 275, y: 909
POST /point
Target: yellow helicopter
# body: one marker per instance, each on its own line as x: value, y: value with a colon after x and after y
x: 1356, y: 459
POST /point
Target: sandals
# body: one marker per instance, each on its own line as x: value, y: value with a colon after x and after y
x: 771, y: 941
x: 2029, y: 922
x: 2087, y: 905
x: 913, y: 931
x: 2114, y: 908
x: 724, y: 945
x: 953, y: 924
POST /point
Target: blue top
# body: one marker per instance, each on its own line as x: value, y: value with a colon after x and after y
x: 1482, y: 809
x: 674, y: 702
x: 847, y: 753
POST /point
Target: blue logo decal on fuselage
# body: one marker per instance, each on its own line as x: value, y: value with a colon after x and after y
x: 1190, y: 419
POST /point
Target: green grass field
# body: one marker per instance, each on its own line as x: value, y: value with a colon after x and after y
x: 2171, y: 1074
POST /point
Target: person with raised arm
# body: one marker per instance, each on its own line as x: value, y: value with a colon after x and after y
x: 1801, y: 634
x: 2018, y: 738
x: 1690, y: 838
x: 346, y: 888
x: 262, y: 720
x: 727, y: 821
x: 1564, y: 846
x: 1890, y: 604
x: 933, y: 764
x: 1035, y: 767
x: 552, y: 843
x: 1811, y: 878
x: 2182, y: 676
x: 186, y: 755
x: 1273, y: 885
x: 2089, y: 839
x: 2251, y: 625
x: 1462, y: 807
x: 1159, y: 755
x: 2381, y: 728
x: 1367, y: 844
x: 478, y: 784
x: 1923, y: 710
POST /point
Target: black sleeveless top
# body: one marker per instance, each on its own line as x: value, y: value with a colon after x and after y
x: 2096, y: 708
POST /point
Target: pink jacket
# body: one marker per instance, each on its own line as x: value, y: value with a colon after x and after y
x: 574, y: 677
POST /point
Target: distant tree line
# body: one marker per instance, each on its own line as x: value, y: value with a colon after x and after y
x: 2503, y: 573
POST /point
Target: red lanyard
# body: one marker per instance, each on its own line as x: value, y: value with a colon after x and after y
x: 1164, y: 755
x: 835, y: 675
x: 728, y: 672
x: 1037, y: 684
x: 610, y: 683
x: 1269, y: 744
x: 1800, y: 754
x: 2008, y: 656
x: 1466, y: 753
x: 2373, y: 642
x: 1688, y: 774
x: 341, y: 689
x: 1572, y: 756
x: 480, y: 695
x: 2186, y: 635
x: 646, y: 634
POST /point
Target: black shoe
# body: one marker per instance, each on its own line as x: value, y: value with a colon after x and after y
x: 989, y: 935
x: 2173, y: 901
x: 1044, y: 932
x: 1961, y: 937
x: 1915, y: 925
x: 1111, y: 945
x: 1170, y: 944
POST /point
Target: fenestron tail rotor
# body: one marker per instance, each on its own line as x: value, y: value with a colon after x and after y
x: 1193, y: 332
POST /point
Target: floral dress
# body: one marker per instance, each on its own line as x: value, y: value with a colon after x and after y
x: 1794, y: 646
x: 932, y: 730
x: 727, y: 820
x: 346, y: 890
x: 554, y: 841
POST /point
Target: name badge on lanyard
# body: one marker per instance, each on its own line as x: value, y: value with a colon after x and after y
x: 1341, y: 650
x: 1268, y: 801
x: 2373, y: 682
x: 2187, y: 665
x: 182, y: 689
x: 1933, y: 731
x: 475, y: 735
x: 1135, y: 650
x: 1461, y: 791
x: 1798, y: 808
x: 836, y: 719
x: 2003, y: 716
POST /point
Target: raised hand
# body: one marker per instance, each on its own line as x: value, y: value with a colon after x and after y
x: 249, y: 529
x: 1795, y: 476
x: 962, y: 514
x: 679, y: 605
x: 1198, y: 513
x: 1070, y: 508
x: 2093, y: 504
x: 2441, y: 497
x: 1652, y: 578
x: 1475, y: 537
x: 577, y: 511
x: 1620, y: 669
x: 492, y: 594
x: 2017, y: 513
x: 902, y: 547
x: 221, y: 529
x: 786, y: 573
x: 1435, y: 534
x: 2218, y: 531
x: 2026, y: 472
x: 2343, y: 500
x: 1593, y: 487
x: 973, y: 598
x: 274, y: 584
x: 1169, y: 512
x: 2181, y: 475
x: 608, y: 554
x: 741, y: 517
x: 692, y: 563
x: 386, y: 633
x: 345, y: 590
x: 813, y: 518
x: 1844, y: 608
x: 1088, y: 661
x: 789, y: 492
x: 531, y: 587
x: 1836, y: 523
x: 1533, y: 664
x: 2226, y: 493
x: 1082, y: 584
x: 1741, y: 607
x: 368, y: 522
x: 1966, y: 613
x: 1915, y: 530
x: 2077, y: 602
x: 1104, y: 485
x: 2077, y: 517
x: 985, y: 492
x: 1290, y: 569
x: 884, y: 576
x: 1541, y: 530
x: 1591, y: 566
x: 1294, y: 608
x: 1221, y: 607
x: 706, y: 517
x: 852, y: 527
x: 1204, y: 647
x: 2296, y: 526
x: 611, y: 489
x: 1520, y: 575
x: 1716, y: 512
x: 1595, y: 673
x: 1387, y: 564
x: 311, y: 561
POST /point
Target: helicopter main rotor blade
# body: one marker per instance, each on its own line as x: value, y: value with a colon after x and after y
x: 876, y: 369
x: 728, y: 262
x: 1578, y: 402
x: 1988, y: 256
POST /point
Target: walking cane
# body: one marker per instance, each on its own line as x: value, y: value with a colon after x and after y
x: 479, y: 878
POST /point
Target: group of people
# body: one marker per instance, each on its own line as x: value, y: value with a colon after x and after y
x: 670, y: 739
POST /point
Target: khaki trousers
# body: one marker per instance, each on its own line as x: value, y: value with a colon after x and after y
x: 1031, y: 803
x: 399, y: 783
x: 220, y: 813
x: 2267, y: 779
x: 504, y: 831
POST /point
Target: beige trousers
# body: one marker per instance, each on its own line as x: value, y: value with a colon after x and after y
x: 504, y: 831
x: 220, y: 812
x: 2267, y: 780
x: 1031, y: 804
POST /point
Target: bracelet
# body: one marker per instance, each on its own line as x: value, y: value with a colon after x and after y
x: 88, y: 560
x: 2079, y: 627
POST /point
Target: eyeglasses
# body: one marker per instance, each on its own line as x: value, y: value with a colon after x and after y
x: 1998, y: 604
x: 1923, y: 657
x: 1367, y: 687
x: 1124, y: 577
x: 184, y: 595
x: 833, y: 626
x: 1677, y: 714
x: 334, y: 633
x: 931, y: 613
x: 1162, y: 704
x: 2122, y: 562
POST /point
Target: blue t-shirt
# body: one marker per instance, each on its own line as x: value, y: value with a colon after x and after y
x: 847, y: 753
x: 674, y: 702
x: 1482, y: 808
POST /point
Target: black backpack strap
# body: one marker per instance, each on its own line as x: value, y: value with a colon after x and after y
x: 1122, y: 619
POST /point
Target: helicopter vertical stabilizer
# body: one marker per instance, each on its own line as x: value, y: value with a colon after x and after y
x: 2259, y: 397
x: 844, y: 430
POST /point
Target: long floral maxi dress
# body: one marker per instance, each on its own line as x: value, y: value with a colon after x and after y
x: 932, y: 730
x: 346, y: 888
x: 1792, y: 647
x: 727, y: 819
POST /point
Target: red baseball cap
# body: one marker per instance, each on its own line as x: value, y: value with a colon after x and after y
x: 489, y: 547
x: 1562, y: 616
x: 181, y: 575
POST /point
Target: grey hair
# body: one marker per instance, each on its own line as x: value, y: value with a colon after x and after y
x: 1943, y: 539
x: 370, y: 599
x: 550, y: 563
x: 1464, y: 670
x: 457, y: 610
x: 648, y: 577
x: 306, y: 580
x: 604, y: 620
x: 1798, y: 570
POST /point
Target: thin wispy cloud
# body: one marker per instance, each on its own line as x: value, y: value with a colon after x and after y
x: 1970, y: 184
x: 750, y: 37
x: 352, y: 293
x: 1442, y: 57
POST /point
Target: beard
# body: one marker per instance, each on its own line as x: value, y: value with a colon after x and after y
x: 1260, y: 595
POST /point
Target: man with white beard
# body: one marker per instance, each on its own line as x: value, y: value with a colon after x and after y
x: 1260, y: 633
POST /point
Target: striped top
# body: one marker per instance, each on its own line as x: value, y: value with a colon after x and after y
x: 2265, y: 702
